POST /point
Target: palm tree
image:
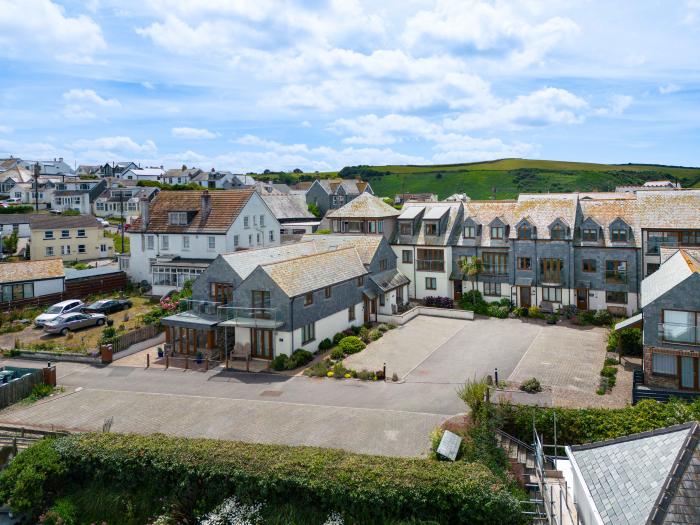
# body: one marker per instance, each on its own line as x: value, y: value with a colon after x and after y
x: 471, y: 266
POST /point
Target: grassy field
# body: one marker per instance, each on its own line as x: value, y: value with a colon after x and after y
x: 505, y: 178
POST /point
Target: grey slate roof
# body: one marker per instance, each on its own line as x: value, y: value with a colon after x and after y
x: 670, y: 274
x: 630, y: 479
x: 72, y: 273
x: 366, y: 245
x: 245, y: 261
x: 285, y: 207
x: 365, y: 205
x: 389, y: 280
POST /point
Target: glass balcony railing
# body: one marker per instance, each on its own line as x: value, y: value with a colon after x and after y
x: 552, y: 277
x: 488, y: 269
x: 679, y: 333
x: 430, y: 265
x: 616, y: 276
x: 208, y: 308
x: 654, y: 247
x: 254, y: 317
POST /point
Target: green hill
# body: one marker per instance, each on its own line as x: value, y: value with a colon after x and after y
x: 505, y: 178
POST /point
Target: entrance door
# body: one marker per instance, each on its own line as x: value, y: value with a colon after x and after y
x: 582, y: 298
x: 458, y: 290
x: 366, y: 303
x: 525, y: 296
x: 689, y: 373
x: 261, y: 343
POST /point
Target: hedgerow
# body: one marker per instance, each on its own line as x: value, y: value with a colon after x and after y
x: 200, y: 473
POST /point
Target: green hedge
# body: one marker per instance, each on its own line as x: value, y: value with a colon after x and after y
x: 201, y: 472
x: 585, y: 425
x: 16, y: 209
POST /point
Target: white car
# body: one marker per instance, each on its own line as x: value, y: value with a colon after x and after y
x: 64, y: 307
x: 102, y: 221
x: 12, y: 200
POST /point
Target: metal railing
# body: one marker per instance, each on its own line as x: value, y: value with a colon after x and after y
x: 552, y: 277
x: 556, y: 506
x: 494, y: 269
x: 616, y: 276
x: 679, y: 333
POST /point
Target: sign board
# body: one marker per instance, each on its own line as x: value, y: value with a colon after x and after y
x: 449, y: 445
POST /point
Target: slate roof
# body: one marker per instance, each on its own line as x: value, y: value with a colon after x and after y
x: 225, y: 207
x: 147, y: 172
x: 18, y: 174
x: 389, y: 280
x: 366, y: 245
x: 287, y: 206
x: 30, y: 270
x: 643, y: 477
x: 245, y: 261
x: 670, y: 274
x: 350, y: 186
x: 15, y: 218
x: 56, y: 222
x: 313, y: 272
x: 179, y: 172
x: 365, y: 205
x: 449, y: 236
x: 136, y: 192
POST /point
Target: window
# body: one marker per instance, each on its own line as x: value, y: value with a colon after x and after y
x: 371, y: 226
x: 165, y: 242
x: 361, y: 280
x: 494, y: 263
x: 174, y: 276
x: 497, y: 232
x: 664, y: 364
x: 81, y: 248
x: 81, y: 233
x: 380, y: 226
x: 589, y: 265
x: 262, y: 220
x: 309, y: 299
x: 261, y: 302
x: 553, y: 295
x: 616, y: 297
x: 49, y: 251
x: 551, y: 270
x: 308, y: 333
x: 430, y: 260
x: 525, y: 232
x: 589, y: 235
x: 250, y: 240
x: 382, y: 299
x: 185, y: 242
x: 652, y: 267
x: 246, y: 222
x: 257, y: 238
x: 327, y: 292
x: 177, y: 218
x: 65, y: 250
x: 221, y: 292
x: 211, y: 242
x: 406, y: 228
x: 524, y: 263
x: 65, y: 234
x: 255, y: 220
x: 681, y: 326
x: 103, y: 247
x: 272, y: 235
x: 235, y: 240
x: 616, y: 272
x: 407, y: 256
x: 430, y: 283
x: 492, y: 289
x: 351, y: 313
x: 619, y: 235
x: 470, y: 232
x: 431, y: 228
x: 14, y: 292
x: 149, y: 242
x: 48, y: 234
x: 382, y: 265
x: 690, y: 238
x: 558, y: 232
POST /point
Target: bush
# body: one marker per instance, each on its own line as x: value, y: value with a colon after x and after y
x: 351, y: 345
x: 497, y: 310
x: 299, y: 357
x: 630, y: 341
x: 337, y: 338
x: 383, y: 328
x: 365, y: 375
x: 535, y: 313
x: 505, y: 302
x: 40, y: 391
x: 280, y: 362
x: 364, y: 334
x: 567, y: 311
x: 63, y: 512
x: 609, y: 371
x: 522, y: 311
x: 531, y: 386
x: 613, y: 341
x: 339, y: 371
x: 16, y: 209
x: 326, y: 344
x: 337, y: 353
x: 198, y: 473
x: 586, y: 317
x: 472, y: 392
x: 319, y: 369
x: 374, y: 335
x: 438, y: 302
x: 602, y: 318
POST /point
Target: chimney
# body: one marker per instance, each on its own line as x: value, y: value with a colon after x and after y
x: 206, y: 205
x: 145, y: 217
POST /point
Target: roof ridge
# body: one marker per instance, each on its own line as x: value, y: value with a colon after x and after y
x: 260, y: 248
x: 312, y: 255
x: 689, y: 261
x: 633, y: 437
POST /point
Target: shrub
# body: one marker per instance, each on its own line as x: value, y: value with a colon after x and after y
x: 630, y: 341
x: 610, y: 361
x: 337, y: 338
x: 383, y: 327
x: 319, y: 369
x: 326, y: 344
x: 374, y: 335
x: 602, y: 318
x: 613, y: 341
x: 505, y: 302
x: 438, y: 302
x: 568, y: 311
x: 351, y: 345
x: 63, y: 512
x: 522, y: 311
x: 339, y: 371
x: 391, y: 326
x: 280, y: 362
x: 40, y: 391
x: 609, y: 371
x: 364, y: 334
x: 337, y: 353
x: 109, y: 335
x: 497, y: 310
x: 472, y: 392
x: 531, y: 386
x: 299, y: 357
x: 535, y: 312
x: 365, y: 375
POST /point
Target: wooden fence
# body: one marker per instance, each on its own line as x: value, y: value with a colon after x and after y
x: 17, y: 389
x: 123, y: 342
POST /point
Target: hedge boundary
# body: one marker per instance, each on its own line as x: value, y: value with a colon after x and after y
x: 370, y: 488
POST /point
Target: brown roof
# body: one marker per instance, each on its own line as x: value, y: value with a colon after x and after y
x: 30, y: 270
x: 56, y: 222
x: 225, y: 207
x: 303, y: 185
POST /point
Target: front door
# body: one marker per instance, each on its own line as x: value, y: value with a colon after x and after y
x: 525, y: 296
x: 582, y: 298
x: 366, y: 310
x: 689, y: 373
x: 458, y: 290
x: 261, y: 343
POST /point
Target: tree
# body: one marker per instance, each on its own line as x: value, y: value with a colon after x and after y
x: 9, y: 243
x: 471, y: 266
x: 314, y: 210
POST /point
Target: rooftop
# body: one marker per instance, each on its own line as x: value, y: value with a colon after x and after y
x: 56, y: 222
x: 287, y: 206
x: 365, y: 205
x: 30, y: 270
x: 366, y: 245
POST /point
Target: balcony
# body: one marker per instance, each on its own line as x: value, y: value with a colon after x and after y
x: 430, y: 265
x: 654, y: 247
x: 204, y: 308
x: 616, y: 276
x: 488, y: 269
x: 552, y: 278
x: 250, y: 317
x: 679, y: 333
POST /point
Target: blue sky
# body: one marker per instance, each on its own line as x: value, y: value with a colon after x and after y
x: 249, y: 85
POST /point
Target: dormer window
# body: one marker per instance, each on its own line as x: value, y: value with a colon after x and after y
x: 618, y: 235
x: 177, y: 218
x: 589, y: 235
x: 558, y: 232
x: 525, y: 232
x: 406, y: 228
x: 498, y: 232
x: 470, y: 231
x: 431, y: 228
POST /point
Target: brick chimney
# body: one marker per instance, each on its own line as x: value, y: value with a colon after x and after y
x: 206, y: 205
x: 145, y: 216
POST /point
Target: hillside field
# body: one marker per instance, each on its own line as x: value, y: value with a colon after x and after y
x: 506, y: 178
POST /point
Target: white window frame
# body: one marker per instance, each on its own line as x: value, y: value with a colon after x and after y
x: 164, y: 242
x: 308, y: 333
x: 185, y: 242
x: 211, y: 243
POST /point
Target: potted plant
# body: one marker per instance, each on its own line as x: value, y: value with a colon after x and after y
x: 160, y: 351
x: 199, y: 358
x: 551, y: 319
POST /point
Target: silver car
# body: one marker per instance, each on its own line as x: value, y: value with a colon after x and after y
x: 73, y: 321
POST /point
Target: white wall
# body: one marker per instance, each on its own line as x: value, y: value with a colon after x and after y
x: 23, y: 230
x: 48, y: 286
x: 417, y: 290
x: 327, y: 328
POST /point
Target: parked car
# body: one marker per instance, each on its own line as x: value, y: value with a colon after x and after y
x: 13, y: 200
x: 102, y: 221
x: 107, y: 306
x: 64, y: 307
x: 73, y: 321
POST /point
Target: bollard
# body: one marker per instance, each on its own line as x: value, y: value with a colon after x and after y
x: 148, y: 360
x: 495, y: 376
x: 206, y: 365
x: 167, y: 361
x: 187, y: 362
x: 384, y: 371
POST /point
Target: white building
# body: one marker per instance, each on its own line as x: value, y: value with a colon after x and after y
x: 152, y: 174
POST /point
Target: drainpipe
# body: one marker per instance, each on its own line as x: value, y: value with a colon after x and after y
x: 415, y: 262
x: 291, y: 323
x: 536, y: 272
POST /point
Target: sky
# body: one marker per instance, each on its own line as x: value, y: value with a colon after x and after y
x: 249, y: 85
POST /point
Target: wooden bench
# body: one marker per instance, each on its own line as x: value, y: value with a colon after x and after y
x: 546, y: 307
x: 241, y: 351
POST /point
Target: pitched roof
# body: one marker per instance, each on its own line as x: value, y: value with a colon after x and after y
x: 245, y: 261
x: 447, y: 237
x: 15, y: 218
x: 290, y: 206
x: 632, y: 479
x: 389, y: 280
x: 366, y: 245
x: 313, y: 272
x: 30, y: 270
x: 350, y: 186
x: 225, y: 207
x: 56, y: 222
x: 670, y: 274
x: 365, y: 205
x: 147, y: 172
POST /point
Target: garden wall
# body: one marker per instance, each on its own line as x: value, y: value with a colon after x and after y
x: 13, y: 391
x: 400, y: 319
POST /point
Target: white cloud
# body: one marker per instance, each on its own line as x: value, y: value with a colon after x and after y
x: 692, y: 12
x: 667, y: 89
x: 118, y: 144
x: 618, y: 105
x: 6, y: 129
x: 193, y: 133
x: 39, y: 27
x: 89, y: 96
x: 305, y: 124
